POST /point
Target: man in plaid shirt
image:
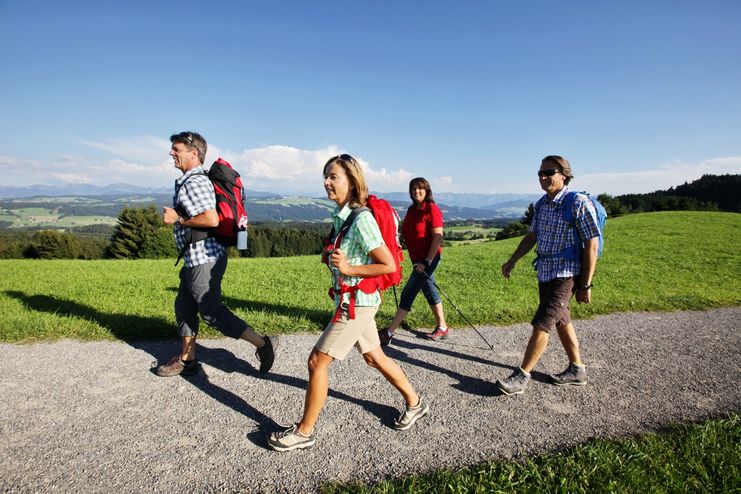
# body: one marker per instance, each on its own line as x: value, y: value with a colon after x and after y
x: 192, y: 214
x: 559, y: 276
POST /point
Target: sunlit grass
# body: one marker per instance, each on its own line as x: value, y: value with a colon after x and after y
x: 686, y: 459
x: 655, y: 261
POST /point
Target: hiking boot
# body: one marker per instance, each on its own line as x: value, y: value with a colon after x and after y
x: 411, y: 414
x: 176, y: 367
x: 438, y: 334
x: 514, y: 384
x: 383, y: 335
x: 266, y: 356
x: 574, y: 375
x: 291, y: 439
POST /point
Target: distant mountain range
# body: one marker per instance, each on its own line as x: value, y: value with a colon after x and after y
x: 262, y: 206
x: 7, y: 192
x: 45, y: 206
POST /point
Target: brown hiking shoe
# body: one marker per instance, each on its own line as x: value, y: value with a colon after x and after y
x: 176, y: 367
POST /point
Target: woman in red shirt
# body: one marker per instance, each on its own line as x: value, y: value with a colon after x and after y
x: 423, y: 234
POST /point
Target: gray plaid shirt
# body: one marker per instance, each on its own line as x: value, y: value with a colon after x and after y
x: 194, y: 194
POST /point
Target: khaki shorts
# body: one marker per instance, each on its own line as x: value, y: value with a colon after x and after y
x: 339, y: 337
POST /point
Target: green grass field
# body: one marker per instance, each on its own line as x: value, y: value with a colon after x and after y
x: 686, y: 459
x: 49, y: 218
x: 654, y: 261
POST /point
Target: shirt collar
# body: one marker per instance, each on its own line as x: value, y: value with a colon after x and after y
x: 186, y: 175
x: 559, y: 197
x: 343, y: 213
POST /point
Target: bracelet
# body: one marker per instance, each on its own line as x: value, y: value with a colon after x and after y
x: 586, y: 287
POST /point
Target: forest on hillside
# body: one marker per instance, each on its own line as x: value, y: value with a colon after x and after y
x: 140, y: 234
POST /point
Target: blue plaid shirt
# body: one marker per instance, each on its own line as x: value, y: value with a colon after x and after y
x: 194, y: 194
x: 554, y: 234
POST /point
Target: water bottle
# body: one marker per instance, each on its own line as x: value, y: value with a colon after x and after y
x: 242, y: 240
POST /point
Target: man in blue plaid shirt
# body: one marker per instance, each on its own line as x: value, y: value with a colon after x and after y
x: 192, y: 214
x: 559, y: 277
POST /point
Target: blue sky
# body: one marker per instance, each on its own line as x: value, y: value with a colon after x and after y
x: 638, y: 95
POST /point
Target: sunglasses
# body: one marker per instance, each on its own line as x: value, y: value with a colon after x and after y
x: 188, y: 136
x: 548, y: 173
x: 344, y: 157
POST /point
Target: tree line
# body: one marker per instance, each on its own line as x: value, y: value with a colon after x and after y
x: 708, y: 193
x: 140, y: 233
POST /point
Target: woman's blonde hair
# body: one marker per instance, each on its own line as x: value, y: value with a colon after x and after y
x: 358, y: 189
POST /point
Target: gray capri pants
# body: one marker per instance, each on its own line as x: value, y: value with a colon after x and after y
x: 200, y: 293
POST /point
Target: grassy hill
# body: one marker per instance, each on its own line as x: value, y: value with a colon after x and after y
x: 652, y: 261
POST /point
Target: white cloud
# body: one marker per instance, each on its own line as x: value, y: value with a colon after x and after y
x: 443, y: 184
x: 667, y: 175
x: 11, y: 165
x: 289, y: 169
x: 144, y: 161
x: 146, y: 149
x: 71, y: 178
x: 281, y: 163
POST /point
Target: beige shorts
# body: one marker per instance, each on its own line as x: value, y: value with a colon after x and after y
x: 339, y: 337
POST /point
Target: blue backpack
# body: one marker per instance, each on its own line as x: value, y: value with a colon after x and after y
x: 575, y: 251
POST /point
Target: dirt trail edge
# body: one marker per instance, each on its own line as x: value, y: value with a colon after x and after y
x: 91, y: 417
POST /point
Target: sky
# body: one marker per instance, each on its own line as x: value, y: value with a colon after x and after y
x: 637, y: 95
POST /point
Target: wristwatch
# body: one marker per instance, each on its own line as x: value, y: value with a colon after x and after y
x: 586, y: 287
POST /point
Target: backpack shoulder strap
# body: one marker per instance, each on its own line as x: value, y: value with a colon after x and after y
x: 177, y: 189
x: 347, y: 224
x: 199, y: 233
x: 568, y: 206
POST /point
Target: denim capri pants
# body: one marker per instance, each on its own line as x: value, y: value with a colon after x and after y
x: 418, y: 281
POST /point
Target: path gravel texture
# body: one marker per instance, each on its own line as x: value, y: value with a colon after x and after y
x: 92, y: 417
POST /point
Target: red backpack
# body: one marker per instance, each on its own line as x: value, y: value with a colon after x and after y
x: 228, y: 188
x: 232, y: 215
x: 388, y: 224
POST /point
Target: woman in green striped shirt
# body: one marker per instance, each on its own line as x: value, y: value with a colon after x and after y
x: 361, y: 254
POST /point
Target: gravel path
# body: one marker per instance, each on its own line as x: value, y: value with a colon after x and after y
x: 90, y: 417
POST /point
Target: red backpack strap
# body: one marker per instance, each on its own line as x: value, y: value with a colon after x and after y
x: 333, y: 244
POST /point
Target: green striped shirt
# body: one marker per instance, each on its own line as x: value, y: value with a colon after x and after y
x: 362, y: 237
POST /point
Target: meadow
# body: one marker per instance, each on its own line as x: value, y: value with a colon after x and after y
x: 652, y: 262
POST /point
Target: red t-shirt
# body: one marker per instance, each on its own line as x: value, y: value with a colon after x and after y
x: 417, y: 229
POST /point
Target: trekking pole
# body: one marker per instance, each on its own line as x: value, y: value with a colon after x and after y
x: 459, y: 311
x: 404, y: 324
